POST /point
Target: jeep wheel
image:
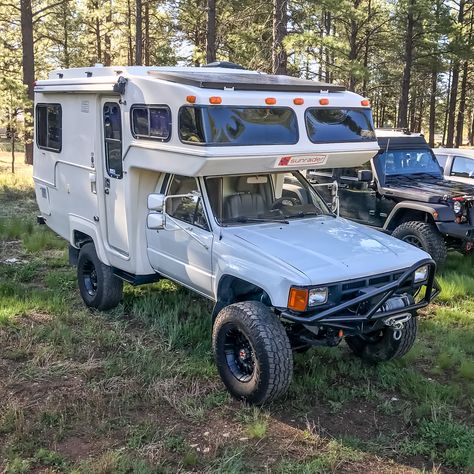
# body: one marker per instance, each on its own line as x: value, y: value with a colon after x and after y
x: 424, y: 236
x: 386, y: 344
x: 252, y: 352
x: 99, y: 287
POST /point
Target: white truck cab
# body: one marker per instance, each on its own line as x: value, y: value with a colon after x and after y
x: 193, y: 174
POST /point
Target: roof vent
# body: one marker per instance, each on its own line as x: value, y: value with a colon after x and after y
x: 98, y: 65
x: 224, y: 64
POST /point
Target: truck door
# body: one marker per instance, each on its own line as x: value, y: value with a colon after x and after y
x: 183, y: 249
x: 117, y: 233
x: 357, y: 199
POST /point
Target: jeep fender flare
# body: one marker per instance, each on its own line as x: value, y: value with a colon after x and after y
x: 89, y: 229
x: 438, y: 212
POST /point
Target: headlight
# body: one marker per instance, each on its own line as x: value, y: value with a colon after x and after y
x: 421, y: 274
x: 317, y: 296
x: 457, y: 206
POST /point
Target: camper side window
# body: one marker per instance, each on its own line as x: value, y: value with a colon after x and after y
x: 151, y: 122
x: 113, y: 139
x: 49, y: 127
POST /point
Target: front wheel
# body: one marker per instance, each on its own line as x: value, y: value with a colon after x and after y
x: 424, y: 236
x: 386, y: 344
x: 252, y: 352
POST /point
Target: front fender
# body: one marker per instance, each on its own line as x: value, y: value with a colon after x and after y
x: 439, y: 212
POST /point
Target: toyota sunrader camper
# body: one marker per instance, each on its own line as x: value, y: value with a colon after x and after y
x: 193, y: 174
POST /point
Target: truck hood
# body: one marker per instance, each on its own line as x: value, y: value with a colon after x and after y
x: 427, y: 190
x: 328, y: 249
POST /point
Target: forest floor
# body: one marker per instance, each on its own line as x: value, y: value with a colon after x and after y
x: 135, y: 389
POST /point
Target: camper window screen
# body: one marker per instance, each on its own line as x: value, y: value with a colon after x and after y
x: 113, y: 139
x: 49, y: 127
x: 228, y: 125
x: 325, y: 125
x: 151, y: 122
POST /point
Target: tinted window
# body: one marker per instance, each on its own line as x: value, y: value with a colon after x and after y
x: 463, y: 167
x: 326, y: 125
x: 113, y: 139
x: 187, y: 209
x: 407, y: 162
x: 151, y: 122
x: 217, y: 125
x: 49, y: 126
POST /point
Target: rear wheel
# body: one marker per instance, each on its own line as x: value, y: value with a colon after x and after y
x: 424, y: 236
x: 386, y: 344
x: 99, y: 287
x: 252, y: 352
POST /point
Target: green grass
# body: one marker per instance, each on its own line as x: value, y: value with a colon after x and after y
x: 136, y: 390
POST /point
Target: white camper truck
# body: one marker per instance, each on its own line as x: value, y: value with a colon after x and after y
x: 192, y: 174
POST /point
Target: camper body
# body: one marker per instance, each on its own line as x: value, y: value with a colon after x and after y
x: 192, y: 174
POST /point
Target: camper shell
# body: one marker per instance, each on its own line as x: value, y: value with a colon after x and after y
x: 194, y: 174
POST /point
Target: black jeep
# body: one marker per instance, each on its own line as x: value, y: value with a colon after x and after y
x: 402, y: 191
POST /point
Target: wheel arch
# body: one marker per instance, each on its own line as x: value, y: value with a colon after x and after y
x: 232, y: 289
x: 83, y: 231
x: 405, y: 212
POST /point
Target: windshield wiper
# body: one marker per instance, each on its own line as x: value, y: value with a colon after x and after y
x: 244, y: 220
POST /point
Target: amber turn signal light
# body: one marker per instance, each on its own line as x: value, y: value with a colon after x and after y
x: 324, y: 101
x: 298, y: 101
x: 365, y: 102
x: 191, y: 99
x: 298, y: 299
x: 270, y: 101
x: 215, y: 100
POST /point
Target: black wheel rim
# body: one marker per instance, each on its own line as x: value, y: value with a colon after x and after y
x: 89, y: 276
x: 413, y: 240
x: 239, y: 354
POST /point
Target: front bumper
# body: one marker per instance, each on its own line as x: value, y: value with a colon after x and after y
x: 458, y: 231
x: 365, y: 312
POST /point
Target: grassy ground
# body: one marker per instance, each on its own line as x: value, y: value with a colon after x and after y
x: 135, y: 390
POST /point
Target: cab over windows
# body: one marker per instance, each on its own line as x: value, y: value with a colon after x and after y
x: 151, y: 122
x: 49, y: 127
x: 187, y: 209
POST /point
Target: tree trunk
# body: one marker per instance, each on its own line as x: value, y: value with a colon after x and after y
x: 454, y: 88
x: 138, y: 34
x: 445, y: 125
x: 107, y: 41
x: 462, y: 107
x: 328, y: 21
x: 28, y: 74
x: 353, y: 47
x: 13, y: 142
x: 433, y: 92
x: 147, y: 33
x: 211, y: 31
x: 130, y: 34
x: 280, y: 20
x: 471, y: 130
x: 406, y: 81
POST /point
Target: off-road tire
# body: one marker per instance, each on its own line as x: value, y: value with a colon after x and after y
x: 108, y: 290
x: 428, y: 236
x: 385, y: 347
x: 270, y: 346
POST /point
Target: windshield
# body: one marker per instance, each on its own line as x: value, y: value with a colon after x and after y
x: 230, y: 125
x: 328, y: 125
x: 270, y: 197
x: 408, y: 163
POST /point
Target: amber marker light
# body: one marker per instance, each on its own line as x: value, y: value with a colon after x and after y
x: 270, y: 101
x: 365, y: 103
x: 215, y: 100
x: 298, y: 101
x: 298, y: 299
x: 191, y: 99
x: 324, y: 101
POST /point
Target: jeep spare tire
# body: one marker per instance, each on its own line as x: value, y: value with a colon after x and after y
x: 98, y: 285
x: 252, y: 352
x: 424, y: 236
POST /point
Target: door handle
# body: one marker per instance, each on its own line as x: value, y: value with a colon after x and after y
x: 107, y: 186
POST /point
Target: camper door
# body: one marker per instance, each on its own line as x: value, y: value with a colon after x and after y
x: 114, y: 189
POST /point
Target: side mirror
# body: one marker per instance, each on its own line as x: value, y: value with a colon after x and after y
x: 156, y: 202
x: 155, y: 221
x: 364, y: 176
